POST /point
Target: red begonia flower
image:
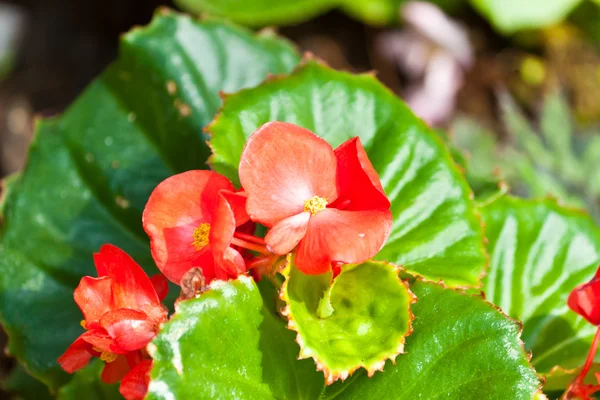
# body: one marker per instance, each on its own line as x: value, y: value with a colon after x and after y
x: 585, y: 300
x: 191, y: 218
x: 122, y: 313
x: 329, y: 203
x: 134, y: 385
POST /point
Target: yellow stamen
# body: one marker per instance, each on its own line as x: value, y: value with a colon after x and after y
x: 108, y: 357
x: 82, y: 323
x: 315, y: 204
x: 201, y: 236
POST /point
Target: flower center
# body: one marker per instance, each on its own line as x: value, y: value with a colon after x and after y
x: 315, y: 204
x: 201, y: 236
x: 105, y: 356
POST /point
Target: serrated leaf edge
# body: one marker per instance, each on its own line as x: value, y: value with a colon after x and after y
x: 330, y: 376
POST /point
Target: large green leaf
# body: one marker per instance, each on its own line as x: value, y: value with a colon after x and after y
x: 435, y: 233
x: 228, y: 344
x: 461, y: 348
x: 539, y: 253
x: 509, y: 16
x: 86, y: 384
x: 90, y: 172
x: 359, y: 320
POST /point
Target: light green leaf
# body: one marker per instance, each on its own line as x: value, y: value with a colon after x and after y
x: 366, y: 319
x: 461, y: 348
x: 90, y: 172
x: 228, y: 344
x: 435, y: 232
x: 509, y: 16
x: 539, y: 253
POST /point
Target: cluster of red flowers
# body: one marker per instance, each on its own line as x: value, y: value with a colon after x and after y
x: 327, y: 206
x: 585, y: 301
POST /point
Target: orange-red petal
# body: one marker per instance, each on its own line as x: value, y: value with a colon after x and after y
x: 135, y: 384
x: 94, y: 298
x: 130, y: 329
x: 342, y: 236
x: 359, y: 187
x: 226, y: 259
x: 285, y: 235
x: 281, y: 167
x: 77, y: 356
x: 161, y: 286
x: 131, y: 287
x: 114, y: 371
x: 585, y: 300
x: 176, y: 207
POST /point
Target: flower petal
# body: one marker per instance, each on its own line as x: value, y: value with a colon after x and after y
x: 77, y: 356
x: 176, y: 207
x: 342, y: 236
x: 94, y: 298
x: 286, y: 234
x: 161, y: 285
x: 282, y: 166
x: 585, y: 300
x: 359, y: 186
x: 114, y: 371
x: 135, y: 384
x: 131, y: 329
x: 131, y: 287
x: 237, y: 202
x: 102, y: 341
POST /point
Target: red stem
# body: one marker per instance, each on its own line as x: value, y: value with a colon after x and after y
x: 586, y: 367
x: 262, y: 249
x: 249, y: 238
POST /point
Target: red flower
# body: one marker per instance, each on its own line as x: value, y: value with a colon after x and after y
x: 135, y: 384
x: 585, y: 300
x: 328, y: 203
x: 122, y: 310
x: 191, y: 218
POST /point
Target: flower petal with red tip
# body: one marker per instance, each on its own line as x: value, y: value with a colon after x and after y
x: 176, y: 207
x: 359, y: 186
x: 585, y: 300
x: 283, y: 166
x: 237, y: 203
x: 135, y: 384
x: 286, y: 234
x: 102, y: 341
x: 350, y: 237
x: 221, y: 234
x: 131, y: 287
x: 94, y: 298
x: 77, y: 356
x: 114, y: 371
x: 130, y: 329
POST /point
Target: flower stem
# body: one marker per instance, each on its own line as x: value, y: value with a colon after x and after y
x: 262, y: 249
x: 586, y: 367
x: 249, y: 238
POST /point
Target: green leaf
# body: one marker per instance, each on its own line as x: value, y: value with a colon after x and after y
x: 359, y: 320
x: 228, y: 344
x: 509, y: 16
x: 436, y: 232
x: 90, y: 172
x: 260, y: 12
x: 23, y: 386
x: 461, y: 348
x: 86, y: 384
x: 539, y: 253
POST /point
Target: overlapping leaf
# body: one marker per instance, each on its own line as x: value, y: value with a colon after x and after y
x: 359, y: 320
x: 435, y: 232
x: 89, y: 172
x: 227, y: 344
x: 539, y: 253
x: 461, y: 348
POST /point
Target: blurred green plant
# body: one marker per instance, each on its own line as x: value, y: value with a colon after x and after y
x: 559, y: 160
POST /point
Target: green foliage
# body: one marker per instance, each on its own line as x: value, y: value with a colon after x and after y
x: 539, y: 253
x: 461, y: 348
x: 559, y: 161
x: 359, y: 320
x: 23, y: 386
x: 436, y: 232
x: 90, y: 172
x: 228, y: 344
x: 86, y: 384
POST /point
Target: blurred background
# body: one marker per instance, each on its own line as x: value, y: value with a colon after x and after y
x: 512, y: 85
